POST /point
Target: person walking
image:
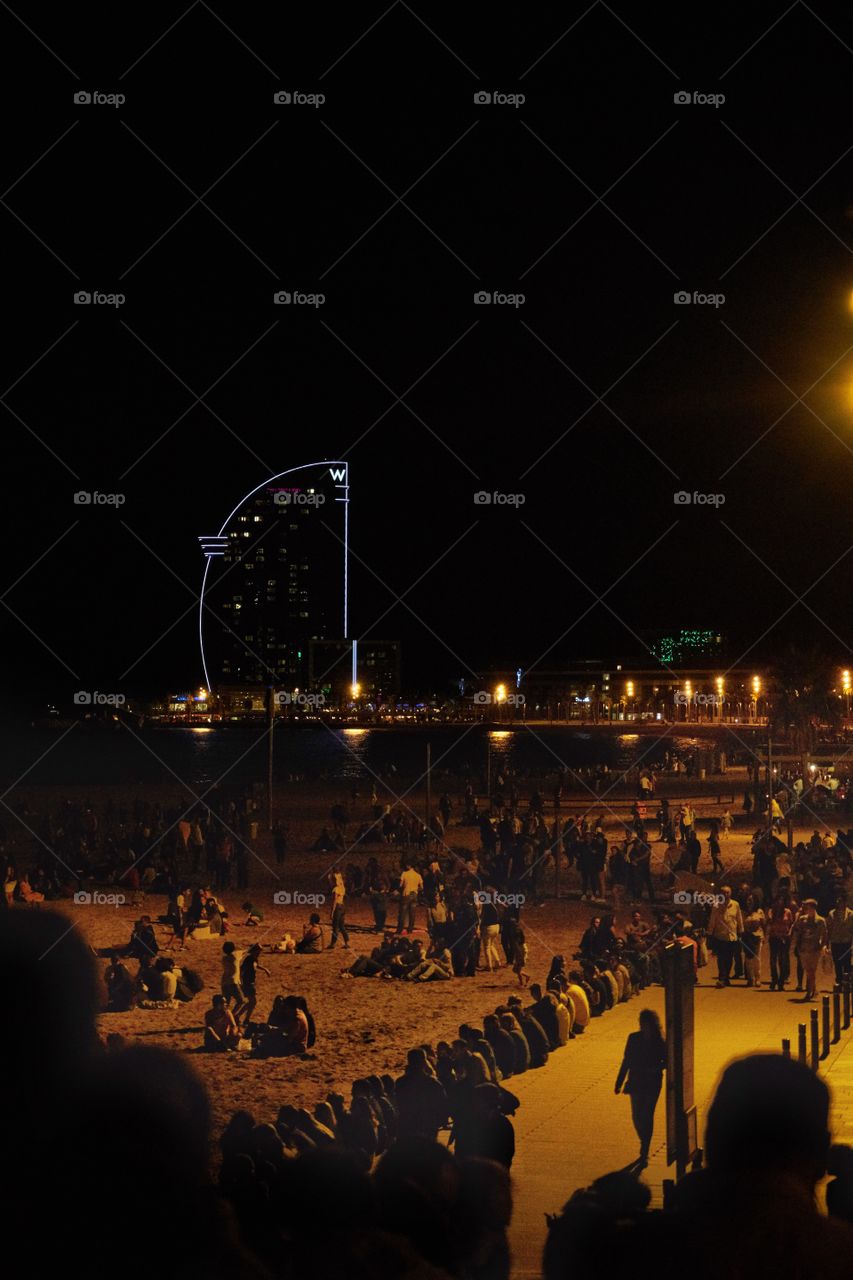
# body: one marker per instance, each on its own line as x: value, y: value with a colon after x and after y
x: 839, y: 925
x: 249, y: 981
x: 809, y: 939
x: 641, y: 1073
x: 725, y: 929
x: 780, y: 921
x: 339, y: 923
x: 410, y: 885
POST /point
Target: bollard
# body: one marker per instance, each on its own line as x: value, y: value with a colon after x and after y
x: 836, y: 1015
x: 814, y: 1040
x: 845, y: 1004
x: 801, y: 1043
x: 786, y: 1048
x: 824, y: 1026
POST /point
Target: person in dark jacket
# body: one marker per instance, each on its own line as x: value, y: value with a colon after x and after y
x: 482, y: 1130
x: 502, y: 1044
x: 641, y: 1073
x: 535, y: 1036
x: 519, y: 1040
x: 421, y: 1099
x: 544, y: 1011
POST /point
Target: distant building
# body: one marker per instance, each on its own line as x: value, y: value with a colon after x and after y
x: 275, y: 578
x: 686, y: 646
x: 377, y: 669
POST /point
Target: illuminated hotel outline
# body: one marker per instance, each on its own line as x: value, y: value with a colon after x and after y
x: 216, y: 546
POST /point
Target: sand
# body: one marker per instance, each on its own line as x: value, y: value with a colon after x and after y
x: 363, y: 1025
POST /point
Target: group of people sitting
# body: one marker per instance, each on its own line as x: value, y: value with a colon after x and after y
x: 289, y: 1029
x: 158, y: 984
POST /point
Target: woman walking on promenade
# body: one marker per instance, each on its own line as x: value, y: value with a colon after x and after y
x: 641, y: 1073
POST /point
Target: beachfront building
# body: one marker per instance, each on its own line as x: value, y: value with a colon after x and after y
x: 276, y: 579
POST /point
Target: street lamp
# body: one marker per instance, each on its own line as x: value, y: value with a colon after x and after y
x: 500, y: 697
x: 756, y: 690
x: 845, y: 685
x: 721, y: 684
x: 688, y: 696
x: 629, y: 696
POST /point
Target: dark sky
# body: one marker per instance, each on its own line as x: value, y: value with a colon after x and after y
x: 398, y: 199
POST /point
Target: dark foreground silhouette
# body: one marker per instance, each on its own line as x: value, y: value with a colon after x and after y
x: 108, y: 1156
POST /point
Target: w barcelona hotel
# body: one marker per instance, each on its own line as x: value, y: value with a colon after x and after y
x: 274, y: 603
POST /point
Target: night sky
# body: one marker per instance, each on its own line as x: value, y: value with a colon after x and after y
x: 399, y: 198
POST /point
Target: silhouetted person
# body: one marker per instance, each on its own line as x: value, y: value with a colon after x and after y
x: 641, y: 1073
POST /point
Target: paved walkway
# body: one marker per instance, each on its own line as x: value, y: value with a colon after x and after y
x: 571, y: 1127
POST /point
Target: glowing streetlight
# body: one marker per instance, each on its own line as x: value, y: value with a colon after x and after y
x: 845, y: 685
x: 500, y: 693
x: 355, y: 689
x: 629, y: 689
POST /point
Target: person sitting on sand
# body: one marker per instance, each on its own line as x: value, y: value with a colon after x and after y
x: 215, y: 915
x: 437, y: 966
x: 143, y: 942
x: 287, y: 1031
x: 221, y: 1032
x: 32, y: 897
x: 325, y: 843
x: 313, y: 940
x: 254, y: 915
x: 121, y: 988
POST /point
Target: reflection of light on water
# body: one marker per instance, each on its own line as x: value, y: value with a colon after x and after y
x: 499, y: 734
x: 629, y: 737
x: 198, y: 728
x: 355, y: 733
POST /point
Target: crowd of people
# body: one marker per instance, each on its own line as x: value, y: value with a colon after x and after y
x: 112, y: 1146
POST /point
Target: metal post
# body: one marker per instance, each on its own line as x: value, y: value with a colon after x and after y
x: 824, y: 1053
x: 428, y: 800
x: 558, y: 850
x: 814, y: 1038
x: 786, y: 1048
x: 836, y: 1015
x: 801, y: 1043
x: 270, y: 730
x: 845, y: 1004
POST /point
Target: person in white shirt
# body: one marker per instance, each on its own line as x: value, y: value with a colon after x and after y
x: 725, y: 929
x: 411, y: 884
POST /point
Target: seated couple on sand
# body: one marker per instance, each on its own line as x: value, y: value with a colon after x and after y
x: 405, y: 958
